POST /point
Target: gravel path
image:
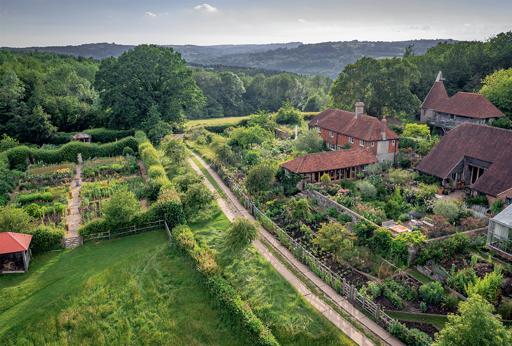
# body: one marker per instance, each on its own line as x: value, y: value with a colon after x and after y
x: 232, y: 208
x: 74, y: 219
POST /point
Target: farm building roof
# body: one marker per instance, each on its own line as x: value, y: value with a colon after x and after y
x: 363, y: 126
x: 505, y: 217
x: 486, y: 143
x: 81, y: 135
x: 465, y: 104
x: 14, y: 242
x: 330, y: 160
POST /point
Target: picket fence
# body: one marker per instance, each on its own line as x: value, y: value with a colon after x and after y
x: 336, y: 281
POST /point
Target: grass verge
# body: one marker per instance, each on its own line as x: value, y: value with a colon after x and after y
x: 292, y: 320
x: 209, y: 176
x: 125, y: 291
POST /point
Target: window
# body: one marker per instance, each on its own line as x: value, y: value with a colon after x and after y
x: 351, y: 140
x: 393, y: 142
x: 373, y: 144
x: 361, y: 142
x: 331, y: 134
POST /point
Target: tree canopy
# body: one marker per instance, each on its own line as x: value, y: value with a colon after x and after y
x: 144, y: 78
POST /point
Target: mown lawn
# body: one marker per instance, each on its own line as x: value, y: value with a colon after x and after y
x: 131, y: 290
x: 292, y: 320
x: 215, y: 121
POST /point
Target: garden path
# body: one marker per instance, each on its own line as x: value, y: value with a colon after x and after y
x: 74, y: 219
x: 232, y: 208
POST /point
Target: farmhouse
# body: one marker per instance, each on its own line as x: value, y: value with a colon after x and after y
x: 472, y: 156
x: 340, y: 164
x: 499, y: 234
x: 340, y: 129
x: 14, y: 252
x: 444, y: 112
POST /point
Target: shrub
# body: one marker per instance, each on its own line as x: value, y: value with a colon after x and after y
x: 461, y: 279
x: 298, y: 210
x: 309, y: 142
x: 488, y: 287
x: 366, y: 189
x: 400, y: 176
x: 197, y: 198
x: 432, y: 292
x: 334, y: 237
x: 416, y: 130
x: 94, y: 227
x: 14, y: 220
x: 260, y: 178
x: 168, y: 207
x: 411, y: 337
x: 381, y: 241
x: 497, y: 206
x: 448, y: 209
x: 287, y: 114
x: 45, y: 238
x: 241, y: 233
x: 325, y: 179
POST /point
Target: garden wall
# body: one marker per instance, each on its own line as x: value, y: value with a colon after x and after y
x: 327, y: 203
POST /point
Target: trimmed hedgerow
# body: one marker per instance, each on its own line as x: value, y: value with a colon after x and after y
x: 45, y: 238
x: 8, y: 179
x: 99, y: 135
x: 231, y: 304
x: 151, y: 158
x: 20, y: 156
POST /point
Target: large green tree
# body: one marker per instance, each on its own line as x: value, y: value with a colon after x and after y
x: 145, y: 77
x: 497, y: 87
x: 474, y: 325
x: 383, y: 85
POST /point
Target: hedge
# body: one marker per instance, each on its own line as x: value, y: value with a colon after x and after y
x: 225, y: 296
x: 8, y: 179
x: 45, y: 238
x: 151, y: 158
x: 20, y: 156
x: 99, y: 135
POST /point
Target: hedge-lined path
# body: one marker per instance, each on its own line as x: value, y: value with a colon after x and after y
x: 74, y: 219
x: 232, y: 208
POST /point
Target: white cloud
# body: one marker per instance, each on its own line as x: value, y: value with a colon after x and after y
x: 302, y: 21
x: 150, y: 14
x: 206, y: 8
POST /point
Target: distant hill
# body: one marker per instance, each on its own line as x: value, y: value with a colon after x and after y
x: 327, y: 58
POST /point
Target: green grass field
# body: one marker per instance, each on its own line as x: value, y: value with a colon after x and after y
x: 131, y: 290
x: 292, y: 320
x: 215, y: 121
x: 436, y: 320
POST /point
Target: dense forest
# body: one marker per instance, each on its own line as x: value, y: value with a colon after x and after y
x: 153, y: 88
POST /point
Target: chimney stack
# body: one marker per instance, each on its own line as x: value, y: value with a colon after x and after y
x: 383, y: 132
x: 359, y: 109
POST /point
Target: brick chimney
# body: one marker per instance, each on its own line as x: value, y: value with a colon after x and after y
x: 384, y: 126
x: 359, y: 109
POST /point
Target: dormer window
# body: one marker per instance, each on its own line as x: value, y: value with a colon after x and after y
x: 373, y: 144
x: 361, y: 142
x: 331, y: 134
x: 351, y: 140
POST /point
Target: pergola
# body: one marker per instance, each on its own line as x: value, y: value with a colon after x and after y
x: 14, y: 252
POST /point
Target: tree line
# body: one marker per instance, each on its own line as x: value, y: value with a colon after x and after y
x: 397, y: 86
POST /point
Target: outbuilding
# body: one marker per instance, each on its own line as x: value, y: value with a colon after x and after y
x: 14, y: 252
x: 499, y: 234
x: 82, y: 137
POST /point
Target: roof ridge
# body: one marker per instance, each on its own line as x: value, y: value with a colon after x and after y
x: 11, y: 234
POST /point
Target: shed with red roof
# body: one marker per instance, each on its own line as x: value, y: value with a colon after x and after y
x: 14, y: 252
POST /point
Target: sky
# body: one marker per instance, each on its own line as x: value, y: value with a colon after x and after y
x: 62, y: 22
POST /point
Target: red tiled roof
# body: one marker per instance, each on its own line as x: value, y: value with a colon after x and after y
x: 363, y: 127
x: 14, y: 242
x: 436, y: 93
x: 480, y: 142
x: 466, y: 104
x: 330, y: 160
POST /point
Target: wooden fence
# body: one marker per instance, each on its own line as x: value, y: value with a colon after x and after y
x: 337, y: 282
x: 150, y: 226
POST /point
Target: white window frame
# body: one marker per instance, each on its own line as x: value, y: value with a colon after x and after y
x: 373, y: 144
x: 361, y: 142
x: 331, y: 134
x: 351, y: 140
x: 393, y: 142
